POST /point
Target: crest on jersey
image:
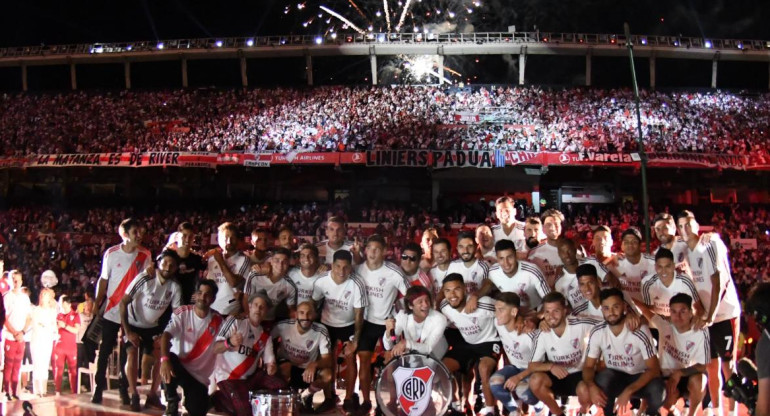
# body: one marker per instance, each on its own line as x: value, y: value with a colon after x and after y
x: 168, y: 295
x: 629, y: 348
x: 689, y: 345
x: 138, y: 264
x: 644, y: 274
x: 382, y: 281
x: 700, y: 263
x: 413, y: 389
x: 475, y: 320
x: 347, y: 294
x: 575, y: 342
x: 309, y: 343
x: 680, y: 258
x: 515, y: 345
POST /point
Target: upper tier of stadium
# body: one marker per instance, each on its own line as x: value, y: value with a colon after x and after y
x: 326, y: 119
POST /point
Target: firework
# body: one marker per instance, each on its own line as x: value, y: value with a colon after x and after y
x: 379, y: 16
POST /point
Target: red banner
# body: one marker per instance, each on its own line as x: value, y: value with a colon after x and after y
x: 431, y: 158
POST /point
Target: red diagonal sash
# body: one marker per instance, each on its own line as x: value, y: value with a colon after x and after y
x: 131, y: 273
x: 205, y: 340
x: 239, y: 371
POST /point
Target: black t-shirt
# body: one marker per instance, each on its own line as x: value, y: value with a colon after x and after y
x: 763, y: 355
x: 188, y: 274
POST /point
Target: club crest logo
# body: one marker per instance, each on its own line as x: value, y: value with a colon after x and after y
x: 629, y: 348
x: 413, y: 389
x: 680, y: 258
x: 347, y: 294
x: 309, y: 343
x: 515, y: 345
x: 575, y: 342
x: 382, y: 281
x: 700, y: 263
x: 689, y: 345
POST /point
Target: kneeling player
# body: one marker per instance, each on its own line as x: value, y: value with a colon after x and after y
x: 304, y: 357
x: 683, y: 351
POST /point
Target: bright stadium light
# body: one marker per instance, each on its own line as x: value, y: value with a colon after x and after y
x: 644, y: 41
x: 250, y: 42
x: 318, y: 40
x: 129, y: 47
x: 740, y: 45
x: 218, y: 43
x: 161, y: 45
x: 334, y: 35
x: 707, y: 44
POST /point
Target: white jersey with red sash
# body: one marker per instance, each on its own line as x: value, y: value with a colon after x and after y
x: 119, y: 269
x: 239, y: 363
x: 192, y: 340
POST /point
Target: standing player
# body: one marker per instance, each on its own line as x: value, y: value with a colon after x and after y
x: 485, y: 243
x: 710, y: 270
x: 635, y: 265
x: 65, y: 349
x: 305, y: 275
x: 121, y: 264
x: 479, y: 342
x: 683, y: 352
x: 664, y: 226
x: 517, y: 343
x: 546, y: 255
x: 564, y: 345
x: 410, y: 265
x: 187, y: 355
x: 278, y: 287
x: 336, y: 231
x: 508, y: 228
x: 442, y: 257
x: 473, y: 271
x: 511, y: 275
x: 227, y: 267
x: 304, y: 356
x: 632, y: 367
x: 566, y: 276
x: 191, y: 264
x: 145, y: 301
x: 384, y: 281
x: 344, y: 301
x: 658, y: 289
x: 604, y: 259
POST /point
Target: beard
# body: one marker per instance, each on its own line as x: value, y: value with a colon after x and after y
x: 532, y: 242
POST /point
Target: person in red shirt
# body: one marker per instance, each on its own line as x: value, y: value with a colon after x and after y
x: 65, y: 349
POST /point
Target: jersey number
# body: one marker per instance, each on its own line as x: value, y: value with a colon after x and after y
x: 729, y: 340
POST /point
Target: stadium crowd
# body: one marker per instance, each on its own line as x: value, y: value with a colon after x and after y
x: 285, y: 120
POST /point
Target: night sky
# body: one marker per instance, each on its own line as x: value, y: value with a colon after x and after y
x: 35, y: 22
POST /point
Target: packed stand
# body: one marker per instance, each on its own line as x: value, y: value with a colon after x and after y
x: 404, y: 117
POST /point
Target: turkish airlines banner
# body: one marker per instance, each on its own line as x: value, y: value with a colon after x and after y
x: 398, y: 158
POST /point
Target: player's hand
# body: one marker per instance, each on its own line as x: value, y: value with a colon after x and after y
x: 61, y: 324
x: 309, y: 374
x: 702, y: 322
x: 544, y: 326
x: 399, y: 349
x: 512, y: 382
x: 19, y: 337
x: 261, y: 268
x: 471, y: 304
x: 705, y: 238
x: 150, y: 270
x: 166, y: 371
x: 671, y: 384
x: 356, y: 245
x: 271, y: 368
x: 597, y: 396
x: 133, y: 338
x: 633, y: 321
x: 349, y: 348
x: 390, y: 324
x: 236, y: 340
x: 559, y: 371
x: 622, y: 401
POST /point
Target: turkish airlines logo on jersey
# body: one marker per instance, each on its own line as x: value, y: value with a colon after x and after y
x: 413, y: 388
